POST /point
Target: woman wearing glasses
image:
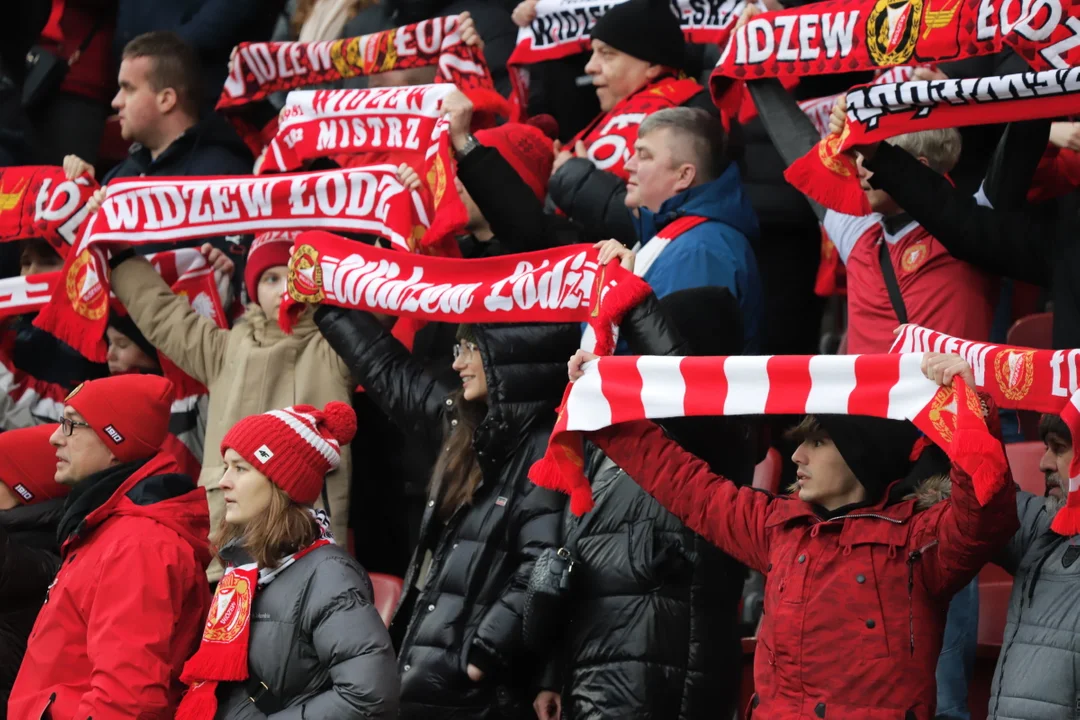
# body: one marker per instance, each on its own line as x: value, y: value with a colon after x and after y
x: 457, y: 628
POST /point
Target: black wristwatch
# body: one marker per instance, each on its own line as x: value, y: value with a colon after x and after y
x: 115, y: 260
x: 470, y: 144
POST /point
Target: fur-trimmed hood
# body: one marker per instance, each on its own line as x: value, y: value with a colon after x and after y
x: 931, y: 491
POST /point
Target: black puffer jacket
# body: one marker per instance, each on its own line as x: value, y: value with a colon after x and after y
x: 29, y: 558
x: 469, y: 610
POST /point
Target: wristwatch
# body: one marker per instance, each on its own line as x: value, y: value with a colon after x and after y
x: 470, y: 144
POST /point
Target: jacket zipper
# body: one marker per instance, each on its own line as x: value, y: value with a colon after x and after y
x: 912, y: 558
x: 894, y: 521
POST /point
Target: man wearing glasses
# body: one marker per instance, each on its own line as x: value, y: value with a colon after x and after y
x: 127, y: 606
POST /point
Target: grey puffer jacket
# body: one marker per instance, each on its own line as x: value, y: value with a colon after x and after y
x: 318, y: 643
x: 1037, y: 674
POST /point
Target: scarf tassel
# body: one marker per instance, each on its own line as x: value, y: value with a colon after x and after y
x: 199, y: 703
x: 830, y: 178
x: 620, y: 298
x: 562, y: 470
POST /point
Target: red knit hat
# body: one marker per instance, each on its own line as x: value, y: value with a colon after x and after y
x: 296, y: 447
x: 526, y: 148
x: 130, y: 413
x: 28, y: 464
x: 268, y: 249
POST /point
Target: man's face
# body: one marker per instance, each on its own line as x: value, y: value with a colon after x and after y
x: 823, y: 476
x: 1054, y: 464
x: 136, y: 101
x: 271, y: 288
x: 124, y: 355
x: 616, y: 75
x: 656, y: 173
x: 80, y: 455
x: 880, y: 201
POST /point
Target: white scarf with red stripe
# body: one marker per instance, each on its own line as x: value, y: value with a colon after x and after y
x: 619, y: 389
x: 1046, y: 381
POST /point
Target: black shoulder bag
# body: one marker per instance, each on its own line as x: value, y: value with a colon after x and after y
x: 45, y: 70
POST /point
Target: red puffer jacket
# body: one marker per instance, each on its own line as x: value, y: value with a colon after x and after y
x: 127, y: 607
x: 854, y: 607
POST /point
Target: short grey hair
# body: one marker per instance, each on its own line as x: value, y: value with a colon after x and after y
x: 705, y: 132
x: 941, y: 148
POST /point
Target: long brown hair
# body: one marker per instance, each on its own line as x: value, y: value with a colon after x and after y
x: 282, y: 529
x: 458, y: 466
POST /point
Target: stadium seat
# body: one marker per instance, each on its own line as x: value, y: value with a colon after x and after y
x: 767, y: 472
x: 387, y: 593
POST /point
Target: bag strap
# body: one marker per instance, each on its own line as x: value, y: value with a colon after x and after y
x: 98, y: 22
x: 891, y: 283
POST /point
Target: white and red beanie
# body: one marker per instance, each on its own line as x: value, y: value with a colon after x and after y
x: 28, y: 464
x: 296, y: 447
x: 267, y: 250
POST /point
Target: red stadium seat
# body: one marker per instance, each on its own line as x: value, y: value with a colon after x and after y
x: 387, y: 593
x: 767, y: 472
x: 1024, y: 461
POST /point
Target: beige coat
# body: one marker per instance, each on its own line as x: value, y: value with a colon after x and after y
x: 248, y: 370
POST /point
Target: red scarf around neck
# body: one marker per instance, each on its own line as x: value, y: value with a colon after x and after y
x: 619, y: 389
x: 828, y: 174
x: 147, y: 211
x: 610, y: 138
x: 854, y: 35
x: 1046, y: 381
x: 38, y: 201
x: 556, y: 285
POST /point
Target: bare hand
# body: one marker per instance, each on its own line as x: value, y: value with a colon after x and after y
x: 612, y: 249
x: 475, y: 673
x: 408, y: 177
x: 925, y: 73
x: 469, y: 34
x: 218, y: 260
x: 96, y: 200
x: 524, y: 13
x: 548, y: 705
x: 75, y: 166
x: 1066, y: 135
x: 459, y: 109
x: 576, y: 361
x: 942, y: 368
x: 838, y: 123
x: 561, y: 156
x: 748, y: 12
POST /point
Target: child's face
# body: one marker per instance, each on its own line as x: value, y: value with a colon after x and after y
x: 271, y: 289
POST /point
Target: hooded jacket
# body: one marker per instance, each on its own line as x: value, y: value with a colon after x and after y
x: 481, y: 557
x: 210, y: 147
x: 29, y: 558
x: 852, y: 602
x: 716, y: 252
x: 128, y: 604
x: 1035, y: 677
x: 252, y: 368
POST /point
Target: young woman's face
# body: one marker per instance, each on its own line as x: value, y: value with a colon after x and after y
x: 470, y: 367
x: 823, y: 477
x: 125, y: 356
x: 247, y: 491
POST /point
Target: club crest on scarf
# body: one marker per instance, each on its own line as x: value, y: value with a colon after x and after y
x: 230, y: 611
x: 943, y: 410
x: 9, y: 199
x: 892, y: 29
x: 85, y: 290
x: 1015, y: 372
x: 306, y: 275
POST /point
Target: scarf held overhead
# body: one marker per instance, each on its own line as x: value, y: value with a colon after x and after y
x: 620, y: 389
x: 557, y: 285
x: 143, y: 211
x: 856, y: 35
x: 40, y: 202
x: 1046, y: 381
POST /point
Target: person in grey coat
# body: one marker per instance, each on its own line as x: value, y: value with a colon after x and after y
x: 1036, y: 676
x: 292, y: 631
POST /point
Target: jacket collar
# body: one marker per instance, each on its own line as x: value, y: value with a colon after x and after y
x: 885, y: 509
x: 267, y: 332
x: 36, y: 517
x: 90, y: 495
x: 140, y: 154
x: 699, y: 200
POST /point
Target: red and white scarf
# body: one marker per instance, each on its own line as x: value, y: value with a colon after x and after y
x: 854, y: 35
x: 610, y: 138
x: 40, y: 202
x: 223, y: 653
x: 258, y: 69
x: 619, y: 389
x: 374, y: 127
x: 26, y: 294
x: 557, y: 285
x: 876, y: 112
x: 144, y: 211
x: 1046, y: 381
x: 560, y: 30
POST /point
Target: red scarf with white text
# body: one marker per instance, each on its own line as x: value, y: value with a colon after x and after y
x: 828, y: 174
x: 38, y: 201
x: 1046, y: 381
x: 146, y: 211
x: 556, y: 285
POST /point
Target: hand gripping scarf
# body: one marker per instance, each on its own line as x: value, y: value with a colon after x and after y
x: 619, y: 389
x: 557, y: 285
x: 143, y: 211
x: 610, y: 138
x: 40, y: 202
x: 1046, y: 381
x: 258, y: 69
x: 875, y: 112
x: 852, y: 35
x: 223, y: 653
x: 374, y: 127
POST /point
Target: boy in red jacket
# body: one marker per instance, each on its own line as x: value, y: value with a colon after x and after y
x: 127, y: 606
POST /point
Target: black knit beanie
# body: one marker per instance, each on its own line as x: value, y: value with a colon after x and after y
x: 877, y: 450
x: 126, y: 325
x: 645, y: 29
